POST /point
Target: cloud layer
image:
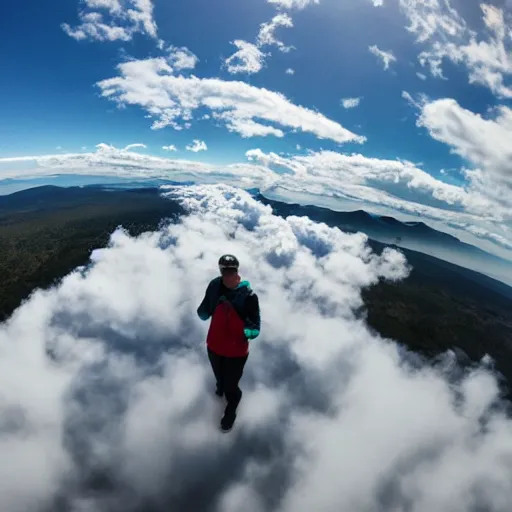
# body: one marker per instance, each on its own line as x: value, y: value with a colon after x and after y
x: 391, y: 187
x: 115, y: 411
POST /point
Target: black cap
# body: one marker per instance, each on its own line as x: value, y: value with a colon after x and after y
x: 228, y: 261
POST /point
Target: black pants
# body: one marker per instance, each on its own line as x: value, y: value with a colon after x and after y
x: 228, y: 372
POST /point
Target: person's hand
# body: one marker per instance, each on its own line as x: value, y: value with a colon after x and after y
x: 203, y: 316
x: 250, y: 334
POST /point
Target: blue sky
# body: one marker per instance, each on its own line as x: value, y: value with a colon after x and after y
x: 53, y: 102
x: 56, y: 99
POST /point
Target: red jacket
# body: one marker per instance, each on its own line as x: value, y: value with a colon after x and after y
x: 226, y: 333
x: 234, y: 313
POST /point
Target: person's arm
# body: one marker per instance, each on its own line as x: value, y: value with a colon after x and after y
x: 252, y: 320
x: 204, y: 310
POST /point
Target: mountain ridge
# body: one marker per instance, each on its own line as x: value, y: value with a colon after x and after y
x: 416, y: 236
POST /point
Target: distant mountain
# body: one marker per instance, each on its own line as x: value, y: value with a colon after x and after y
x: 51, y: 197
x: 416, y: 236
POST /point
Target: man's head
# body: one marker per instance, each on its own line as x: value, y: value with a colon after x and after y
x: 228, y: 266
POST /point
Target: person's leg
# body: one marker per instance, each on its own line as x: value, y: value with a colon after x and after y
x: 217, y: 366
x: 233, y: 371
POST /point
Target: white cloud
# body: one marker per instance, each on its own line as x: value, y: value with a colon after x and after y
x: 378, y: 3
x: 248, y: 59
x: 290, y: 71
x: 386, y: 57
x: 373, y: 180
x: 266, y: 36
x: 125, y: 20
x: 117, y: 390
x: 92, y: 27
x: 142, y: 15
x: 415, y: 103
x: 483, y: 142
x: 487, y: 54
x: 196, y: 146
x: 182, y: 58
x: 170, y: 99
x: 293, y: 4
x: 393, y: 187
x: 389, y: 187
x: 421, y: 76
x: 108, y: 160
x: 114, y: 6
x: 487, y: 235
x: 433, y: 17
x: 350, y: 102
x: 171, y: 147
x: 134, y: 146
x: 247, y: 128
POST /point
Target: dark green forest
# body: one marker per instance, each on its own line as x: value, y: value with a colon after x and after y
x: 47, y: 232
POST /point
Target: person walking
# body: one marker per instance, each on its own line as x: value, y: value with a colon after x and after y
x: 234, y: 310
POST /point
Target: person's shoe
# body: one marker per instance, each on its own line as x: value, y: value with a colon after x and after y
x: 227, y: 422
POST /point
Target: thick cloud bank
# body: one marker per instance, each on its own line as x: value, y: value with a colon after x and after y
x: 106, y: 394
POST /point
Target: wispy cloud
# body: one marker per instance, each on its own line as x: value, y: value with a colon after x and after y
x: 134, y: 146
x: 487, y: 54
x: 293, y: 4
x: 113, y: 20
x: 290, y: 71
x: 152, y: 85
x: 267, y: 37
x: 171, y: 147
x: 427, y: 19
x: 386, y: 57
x: 247, y: 59
x: 350, y: 102
x: 196, y: 146
x: 117, y: 390
x: 414, y: 103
